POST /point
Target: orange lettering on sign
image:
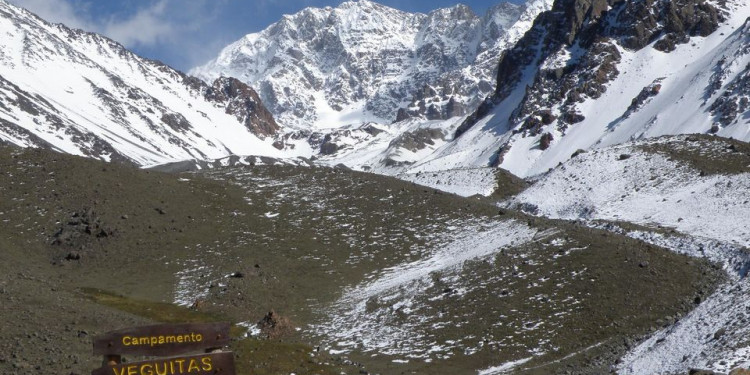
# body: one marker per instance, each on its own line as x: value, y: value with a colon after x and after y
x: 207, y: 366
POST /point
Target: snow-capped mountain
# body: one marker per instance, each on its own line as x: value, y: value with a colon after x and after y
x: 84, y: 94
x: 365, y: 62
x: 585, y: 75
x: 581, y: 75
x: 591, y: 74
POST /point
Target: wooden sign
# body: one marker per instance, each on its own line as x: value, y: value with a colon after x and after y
x: 163, y: 339
x: 204, y: 364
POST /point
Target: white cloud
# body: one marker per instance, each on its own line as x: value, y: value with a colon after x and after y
x: 58, y: 11
x: 184, y: 32
x: 148, y: 26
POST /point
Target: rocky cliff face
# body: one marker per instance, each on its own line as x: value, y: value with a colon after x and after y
x: 363, y: 61
x: 84, y: 94
x: 576, y: 49
x: 241, y: 101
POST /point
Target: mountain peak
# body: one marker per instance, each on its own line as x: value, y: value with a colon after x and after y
x: 458, y: 11
x: 358, y: 3
x: 362, y: 61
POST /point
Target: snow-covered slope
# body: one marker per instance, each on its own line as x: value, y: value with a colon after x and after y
x: 84, y: 94
x: 362, y: 61
x: 647, y: 183
x: 592, y: 74
x: 688, y: 193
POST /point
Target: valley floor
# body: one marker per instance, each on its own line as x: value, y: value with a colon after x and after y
x: 371, y: 274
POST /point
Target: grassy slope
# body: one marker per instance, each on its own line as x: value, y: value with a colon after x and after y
x: 706, y: 153
x: 51, y: 315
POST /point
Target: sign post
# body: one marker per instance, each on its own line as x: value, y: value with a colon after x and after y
x: 171, y: 340
x: 221, y: 363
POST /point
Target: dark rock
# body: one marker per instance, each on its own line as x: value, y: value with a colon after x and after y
x: 371, y: 130
x: 546, y: 116
x: 274, y: 325
x: 646, y: 93
x: 624, y: 157
x: 328, y: 147
x: 701, y: 372
x: 176, y: 121
x: 572, y: 117
x: 577, y: 152
x: 73, y: 255
x: 718, y: 334
x: 418, y: 139
x: 402, y: 115
x: 734, y: 102
x: 454, y: 108
x: 483, y: 110
x: 241, y: 101
x: 545, y: 140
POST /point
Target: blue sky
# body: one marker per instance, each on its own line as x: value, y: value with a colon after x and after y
x: 186, y: 33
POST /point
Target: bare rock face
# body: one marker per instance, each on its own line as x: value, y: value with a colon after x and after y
x: 176, y: 121
x: 735, y: 101
x: 329, y: 146
x: 418, y: 139
x: 244, y: 103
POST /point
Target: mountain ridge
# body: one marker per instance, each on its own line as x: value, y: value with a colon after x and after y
x: 85, y: 94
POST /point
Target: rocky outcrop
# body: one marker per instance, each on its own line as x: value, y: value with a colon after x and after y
x: 418, y: 139
x: 176, y: 121
x: 733, y: 103
x: 238, y: 99
x: 545, y: 141
x: 647, y: 92
x: 429, y: 104
x: 328, y: 146
x: 244, y: 103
